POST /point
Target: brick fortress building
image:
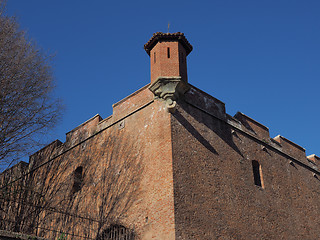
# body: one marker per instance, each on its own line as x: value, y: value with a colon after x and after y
x: 169, y: 163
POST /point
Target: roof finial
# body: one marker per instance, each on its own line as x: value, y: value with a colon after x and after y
x: 168, y: 26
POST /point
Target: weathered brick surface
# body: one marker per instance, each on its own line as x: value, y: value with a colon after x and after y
x: 83, y: 131
x: 314, y: 158
x: 205, y: 102
x: 215, y: 194
x: 132, y: 103
x: 292, y: 148
x: 127, y: 176
x: 261, y: 131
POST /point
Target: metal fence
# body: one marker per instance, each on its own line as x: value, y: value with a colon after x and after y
x: 117, y: 232
x: 113, y: 232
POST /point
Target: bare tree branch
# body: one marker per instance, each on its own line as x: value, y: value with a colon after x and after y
x: 27, y: 108
x: 56, y: 198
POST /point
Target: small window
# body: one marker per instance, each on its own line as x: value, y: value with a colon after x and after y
x: 154, y: 57
x: 257, y: 173
x: 77, y: 179
x: 168, y: 52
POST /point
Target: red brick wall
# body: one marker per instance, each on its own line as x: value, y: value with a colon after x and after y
x: 127, y: 175
x: 215, y: 195
x: 186, y: 175
x: 162, y: 66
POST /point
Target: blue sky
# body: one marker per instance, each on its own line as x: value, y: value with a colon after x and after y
x: 258, y: 57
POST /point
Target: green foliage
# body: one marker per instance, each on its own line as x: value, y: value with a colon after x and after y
x: 62, y: 236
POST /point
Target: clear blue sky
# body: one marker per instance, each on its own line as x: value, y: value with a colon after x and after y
x: 258, y: 57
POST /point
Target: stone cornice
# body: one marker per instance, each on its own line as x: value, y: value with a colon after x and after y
x: 159, y: 36
x: 169, y: 89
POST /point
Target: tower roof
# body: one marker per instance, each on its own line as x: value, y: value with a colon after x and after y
x: 160, y: 36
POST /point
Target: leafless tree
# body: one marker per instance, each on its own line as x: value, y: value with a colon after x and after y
x: 28, y: 108
x: 57, y: 199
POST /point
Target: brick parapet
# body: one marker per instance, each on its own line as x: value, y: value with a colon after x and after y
x: 14, y: 172
x: 261, y: 133
x: 47, y: 152
x: 314, y: 158
x: 252, y: 125
x: 205, y: 101
x: 279, y: 143
x: 292, y: 148
x: 83, y: 131
x: 131, y: 103
x: 94, y: 125
x: 20, y: 166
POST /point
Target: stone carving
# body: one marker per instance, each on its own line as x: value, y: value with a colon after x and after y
x: 169, y: 89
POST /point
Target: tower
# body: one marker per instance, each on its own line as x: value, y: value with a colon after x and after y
x: 168, y: 62
x: 168, y: 55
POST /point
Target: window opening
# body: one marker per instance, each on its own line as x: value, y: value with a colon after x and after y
x: 257, y: 174
x: 154, y: 57
x: 77, y: 179
x: 168, y: 52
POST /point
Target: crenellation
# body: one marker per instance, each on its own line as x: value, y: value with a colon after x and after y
x: 314, y: 158
x: 234, y: 122
x: 205, y: 102
x: 275, y: 144
x: 131, y: 103
x: 45, y: 153
x: 83, y: 131
x: 15, y: 171
x: 292, y: 148
x: 104, y: 123
x: 253, y: 126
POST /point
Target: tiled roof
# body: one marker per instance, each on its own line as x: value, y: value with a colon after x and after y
x: 178, y: 36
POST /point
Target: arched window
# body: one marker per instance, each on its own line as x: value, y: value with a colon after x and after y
x: 257, y: 173
x: 77, y: 179
x: 116, y: 232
